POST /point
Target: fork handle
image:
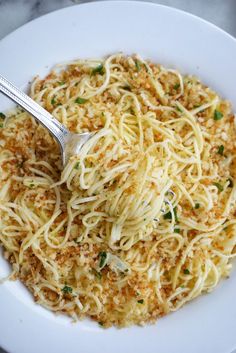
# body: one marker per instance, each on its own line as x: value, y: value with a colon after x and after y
x: 39, y: 113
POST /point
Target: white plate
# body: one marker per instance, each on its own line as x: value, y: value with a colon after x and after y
x: 175, y: 39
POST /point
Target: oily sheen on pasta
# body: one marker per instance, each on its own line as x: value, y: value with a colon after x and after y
x: 142, y: 220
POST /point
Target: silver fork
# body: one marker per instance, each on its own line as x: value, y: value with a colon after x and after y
x: 70, y: 143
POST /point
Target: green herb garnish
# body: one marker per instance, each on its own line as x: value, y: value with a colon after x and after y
x: 179, y: 110
x: 219, y: 186
x: 175, y: 213
x: 127, y: 88
x: 131, y: 111
x: 176, y: 230
x: 137, y: 65
x: 97, y: 274
x: 67, y: 289
x: 146, y: 67
x: 140, y: 301
x: 80, y: 100
x: 53, y: 101
x: 186, y: 271
x: 231, y: 183
x: 102, y: 256
x: 197, y: 205
x: 177, y: 86
x: 168, y: 215
x: 31, y: 185
x: 218, y: 115
x: 100, y: 323
x: 76, y: 166
x: 98, y: 70
x: 2, y: 116
x: 1, y: 125
x: 221, y: 150
x: 61, y: 83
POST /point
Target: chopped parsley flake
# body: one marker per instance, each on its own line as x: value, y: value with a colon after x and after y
x: 80, y: 100
x: 221, y: 150
x: 176, y: 230
x: 186, y: 271
x: 53, y: 101
x: 102, y: 257
x: 1, y: 125
x: 179, y: 110
x: 3, y: 116
x: 219, y: 186
x: 197, y: 205
x: 127, y: 88
x: 146, y: 67
x: 137, y: 65
x: 231, y: 183
x: 168, y: 215
x: 98, y: 70
x: 218, y: 115
x: 140, y: 301
x: 97, y: 274
x: 76, y: 166
x: 67, y: 289
x: 177, y: 86
x: 131, y: 111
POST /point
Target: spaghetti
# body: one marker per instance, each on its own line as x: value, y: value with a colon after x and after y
x: 142, y: 220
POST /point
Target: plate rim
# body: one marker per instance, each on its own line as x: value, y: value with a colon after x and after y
x: 139, y: 3
x: 148, y: 3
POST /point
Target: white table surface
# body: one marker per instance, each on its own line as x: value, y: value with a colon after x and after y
x: 14, y: 13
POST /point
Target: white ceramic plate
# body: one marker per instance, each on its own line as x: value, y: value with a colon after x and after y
x: 175, y: 39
